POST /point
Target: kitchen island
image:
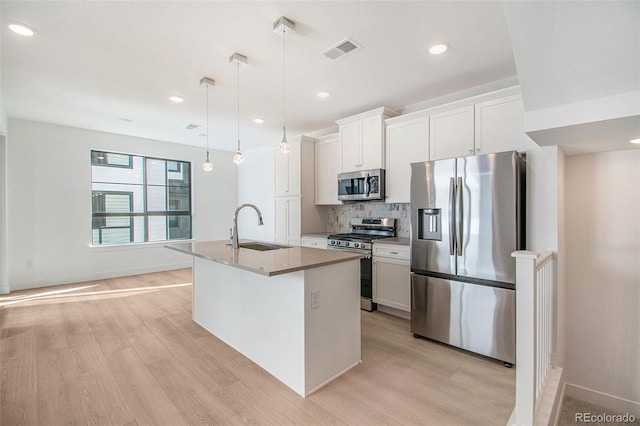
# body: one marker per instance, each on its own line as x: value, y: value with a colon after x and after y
x: 294, y: 311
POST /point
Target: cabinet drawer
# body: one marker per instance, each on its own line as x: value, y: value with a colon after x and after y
x: 393, y: 251
x: 320, y: 243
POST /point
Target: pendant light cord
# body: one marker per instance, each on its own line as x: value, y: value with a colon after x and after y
x: 284, y: 84
x: 238, y: 103
x: 207, y: 122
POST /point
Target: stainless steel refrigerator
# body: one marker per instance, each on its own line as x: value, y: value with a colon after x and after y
x: 467, y: 216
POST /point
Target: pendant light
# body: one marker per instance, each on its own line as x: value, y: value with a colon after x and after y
x: 284, y: 27
x: 240, y: 61
x: 206, y: 82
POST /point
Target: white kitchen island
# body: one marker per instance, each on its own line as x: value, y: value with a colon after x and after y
x: 293, y: 311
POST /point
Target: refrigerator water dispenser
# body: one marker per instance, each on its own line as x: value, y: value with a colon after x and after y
x: 429, y: 224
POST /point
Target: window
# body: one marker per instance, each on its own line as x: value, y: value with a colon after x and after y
x: 139, y: 199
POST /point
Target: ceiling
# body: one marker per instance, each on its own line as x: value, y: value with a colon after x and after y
x: 110, y: 66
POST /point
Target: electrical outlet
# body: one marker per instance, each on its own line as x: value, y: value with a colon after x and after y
x: 315, y: 299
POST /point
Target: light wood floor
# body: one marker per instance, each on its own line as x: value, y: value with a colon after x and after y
x: 124, y: 352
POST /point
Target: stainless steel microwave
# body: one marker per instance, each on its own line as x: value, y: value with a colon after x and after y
x: 361, y: 186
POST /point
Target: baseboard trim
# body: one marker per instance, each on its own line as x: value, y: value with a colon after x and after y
x: 103, y: 275
x: 393, y: 311
x: 611, y: 402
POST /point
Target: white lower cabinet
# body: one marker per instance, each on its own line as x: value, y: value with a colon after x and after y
x: 314, y: 242
x: 288, y: 223
x: 392, y: 276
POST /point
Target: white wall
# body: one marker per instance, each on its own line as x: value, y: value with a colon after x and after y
x: 49, y: 205
x: 256, y: 185
x: 603, y: 277
x: 4, y: 265
x: 545, y: 220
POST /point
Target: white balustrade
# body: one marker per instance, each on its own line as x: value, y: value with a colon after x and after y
x: 535, y: 332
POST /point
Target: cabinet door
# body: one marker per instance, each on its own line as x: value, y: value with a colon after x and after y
x: 288, y: 221
x: 294, y: 221
x: 500, y: 126
x: 372, y: 147
x: 327, y: 169
x: 287, y: 171
x: 406, y: 143
x: 451, y: 133
x: 350, y: 147
x: 282, y: 221
x: 392, y: 283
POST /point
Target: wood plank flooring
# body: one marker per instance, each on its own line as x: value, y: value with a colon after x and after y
x: 124, y: 351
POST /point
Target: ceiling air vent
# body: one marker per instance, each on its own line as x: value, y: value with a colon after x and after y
x: 341, y: 49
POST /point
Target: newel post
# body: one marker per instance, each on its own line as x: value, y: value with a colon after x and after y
x: 525, y: 336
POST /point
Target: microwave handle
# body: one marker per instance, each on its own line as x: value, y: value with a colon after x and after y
x: 366, y: 185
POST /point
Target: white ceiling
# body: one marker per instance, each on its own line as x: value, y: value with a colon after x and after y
x: 92, y: 64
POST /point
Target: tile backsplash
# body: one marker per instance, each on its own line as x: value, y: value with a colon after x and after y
x: 339, y: 217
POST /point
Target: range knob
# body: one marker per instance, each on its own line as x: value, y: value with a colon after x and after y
x: 346, y: 244
x: 356, y: 245
x: 332, y: 242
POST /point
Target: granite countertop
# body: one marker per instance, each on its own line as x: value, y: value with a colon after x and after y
x: 401, y: 241
x: 269, y: 263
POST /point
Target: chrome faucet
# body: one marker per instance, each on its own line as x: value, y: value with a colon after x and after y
x: 234, y: 230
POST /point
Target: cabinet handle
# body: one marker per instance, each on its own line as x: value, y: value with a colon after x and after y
x: 471, y: 151
x: 477, y: 149
x: 393, y: 252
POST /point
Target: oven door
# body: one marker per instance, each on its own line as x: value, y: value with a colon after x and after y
x: 366, y: 285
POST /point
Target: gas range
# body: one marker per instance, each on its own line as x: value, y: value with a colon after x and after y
x: 364, y: 231
x: 359, y: 240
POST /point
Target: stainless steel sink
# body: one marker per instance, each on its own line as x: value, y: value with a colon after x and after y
x: 262, y: 246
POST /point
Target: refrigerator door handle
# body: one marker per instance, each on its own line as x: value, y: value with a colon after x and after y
x: 459, y: 216
x: 452, y: 209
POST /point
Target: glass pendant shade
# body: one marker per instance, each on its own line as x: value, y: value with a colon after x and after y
x: 238, y: 158
x: 284, y: 146
x: 207, y: 166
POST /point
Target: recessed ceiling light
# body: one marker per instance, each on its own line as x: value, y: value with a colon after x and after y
x: 175, y: 98
x: 636, y: 141
x: 438, y: 48
x: 323, y: 94
x: 21, y: 29
x: 258, y: 120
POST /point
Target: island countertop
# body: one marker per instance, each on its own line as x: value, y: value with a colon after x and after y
x: 269, y: 263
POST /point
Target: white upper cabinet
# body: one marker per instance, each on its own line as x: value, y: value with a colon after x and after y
x: 407, y: 141
x: 351, y: 146
x: 362, y: 140
x: 287, y: 171
x: 500, y: 127
x: 451, y: 133
x: 327, y: 156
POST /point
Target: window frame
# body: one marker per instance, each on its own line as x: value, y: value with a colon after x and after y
x: 146, y: 214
